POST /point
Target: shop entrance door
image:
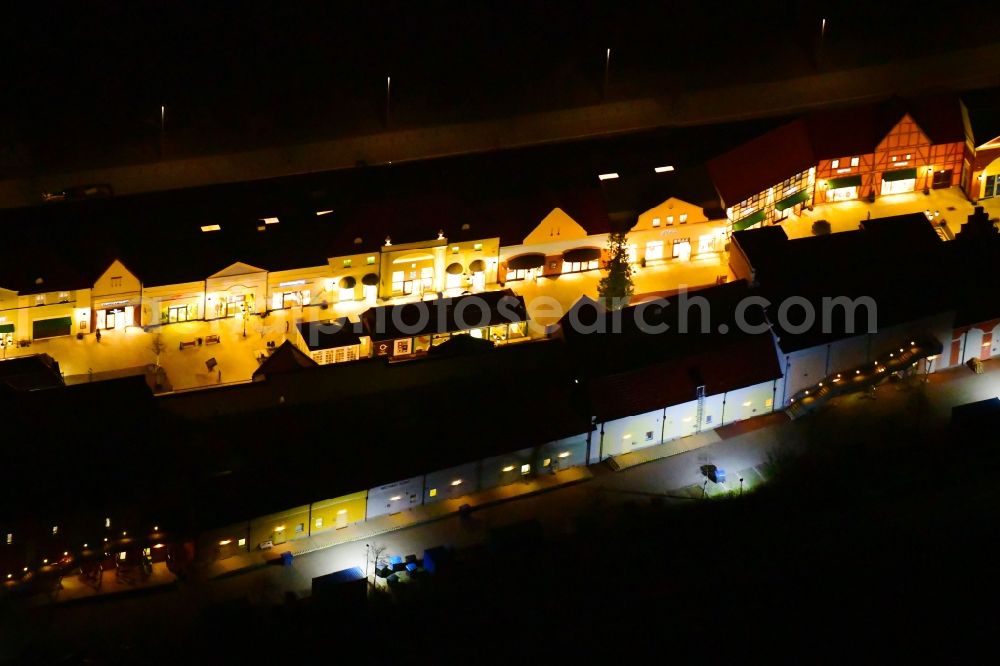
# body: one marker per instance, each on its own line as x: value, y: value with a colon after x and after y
x: 177, y: 313
x: 989, y: 185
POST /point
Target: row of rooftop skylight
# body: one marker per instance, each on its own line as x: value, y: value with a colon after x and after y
x: 613, y: 175
x: 266, y: 220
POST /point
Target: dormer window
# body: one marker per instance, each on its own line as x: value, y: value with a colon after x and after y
x: 684, y: 218
x: 855, y: 161
x: 835, y: 164
x: 656, y: 221
x: 116, y: 281
x: 670, y: 220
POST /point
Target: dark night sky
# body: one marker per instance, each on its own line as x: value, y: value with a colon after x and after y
x: 88, y: 79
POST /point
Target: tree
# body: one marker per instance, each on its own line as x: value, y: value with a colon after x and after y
x: 616, y: 288
x: 377, y: 558
x: 157, y: 346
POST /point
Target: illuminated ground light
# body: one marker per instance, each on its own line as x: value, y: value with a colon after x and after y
x: 508, y: 468
x: 225, y: 542
x: 564, y: 454
x: 456, y: 482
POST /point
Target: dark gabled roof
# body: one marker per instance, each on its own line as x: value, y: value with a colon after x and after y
x: 329, y: 334
x: 762, y: 162
x: 724, y: 367
x: 942, y: 117
x: 286, y: 358
x: 30, y: 373
x: 610, y: 343
x: 984, y: 113
x: 633, y: 193
x: 845, y: 132
x: 441, y: 315
x: 885, y: 261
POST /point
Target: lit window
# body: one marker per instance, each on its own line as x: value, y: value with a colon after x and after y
x: 319, y: 523
x: 607, y: 176
x: 10, y: 538
x: 564, y: 454
x: 347, y: 263
x: 768, y: 402
x: 270, y: 220
x: 107, y: 522
x: 454, y: 249
x: 661, y: 169
x: 242, y: 542
x: 225, y: 542
x: 433, y: 492
x: 893, y: 158
x: 684, y: 218
x: 477, y: 247
x: 211, y: 227
x: 300, y: 527
x: 656, y: 221
x: 456, y: 482
x: 546, y: 462
x: 835, y: 164
x: 855, y: 161
x: 55, y: 530
x: 670, y: 220
x: 122, y: 555
x: 508, y: 468
x: 370, y: 260
x: 525, y: 469
x: 279, y: 528
x: 908, y: 155
x: 341, y: 512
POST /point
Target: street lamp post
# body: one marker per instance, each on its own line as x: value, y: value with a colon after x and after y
x: 388, y: 97
x: 741, y: 486
x: 607, y: 66
x: 368, y: 556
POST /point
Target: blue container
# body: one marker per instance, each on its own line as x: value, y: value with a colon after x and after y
x: 411, y: 566
x: 720, y: 475
x: 286, y: 558
x: 395, y: 559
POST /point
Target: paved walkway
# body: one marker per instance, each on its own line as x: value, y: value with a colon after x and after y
x: 374, y: 527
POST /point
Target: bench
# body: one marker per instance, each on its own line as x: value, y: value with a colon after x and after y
x: 185, y: 345
x: 212, y: 340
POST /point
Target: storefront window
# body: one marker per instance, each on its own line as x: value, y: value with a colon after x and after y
x: 454, y: 280
x: 523, y: 274
x: 479, y: 333
x: 498, y: 333
x: 401, y: 347
x: 438, y: 338
x: 516, y: 330
x: 654, y: 250
x: 421, y: 343
x: 580, y: 266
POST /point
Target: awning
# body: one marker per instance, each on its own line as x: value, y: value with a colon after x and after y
x: 370, y: 279
x: 526, y: 261
x: 50, y: 328
x: 454, y: 269
x: 900, y: 174
x: 796, y: 198
x: 477, y: 266
x: 846, y: 181
x: 582, y: 254
x: 748, y: 221
x: 6, y: 328
x: 347, y: 282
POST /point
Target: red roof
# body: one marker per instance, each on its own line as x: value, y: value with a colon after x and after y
x: 745, y: 362
x: 763, y: 162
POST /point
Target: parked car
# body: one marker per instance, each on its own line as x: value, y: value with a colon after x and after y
x: 78, y: 192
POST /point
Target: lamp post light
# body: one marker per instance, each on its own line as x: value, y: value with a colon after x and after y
x: 607, y: 66
x: 368, y: 556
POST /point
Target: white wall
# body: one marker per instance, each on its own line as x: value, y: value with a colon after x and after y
x: 380, y: 500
